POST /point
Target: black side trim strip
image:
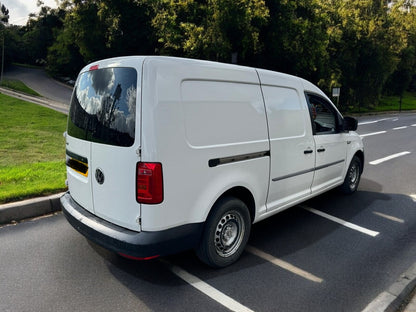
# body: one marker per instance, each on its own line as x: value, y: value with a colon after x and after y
x: 307, y: 170
x: 226, y: 160
x: 330, y: 164
x: 293, y: 174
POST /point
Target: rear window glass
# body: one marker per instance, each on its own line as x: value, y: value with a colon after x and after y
x: 103, y: 106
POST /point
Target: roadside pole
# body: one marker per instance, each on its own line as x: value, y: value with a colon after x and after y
x: 336, y: 91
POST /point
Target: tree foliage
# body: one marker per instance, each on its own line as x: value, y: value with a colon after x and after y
x: 213, y: 29
x: 366, y: 47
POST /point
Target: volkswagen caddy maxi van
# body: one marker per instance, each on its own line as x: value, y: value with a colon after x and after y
x: 166, y: 154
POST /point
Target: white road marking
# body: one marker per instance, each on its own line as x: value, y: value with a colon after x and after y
x: 283, y: 264
x: 388, y: 217
x: 367, y: 122
x: 372, y: 133
x: 400, y: 128
x: 373, y: 121
x: 342, y: 222
x: 414, y: 125
x: 381, y: 160
x: 207, y: 289
x: 413, y: 196
x: 395, y: 119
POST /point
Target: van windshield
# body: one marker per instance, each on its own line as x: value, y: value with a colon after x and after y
x: 103, y: 106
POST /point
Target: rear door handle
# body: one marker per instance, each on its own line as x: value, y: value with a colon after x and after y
x: 320, y: 150
x: 308, y: 151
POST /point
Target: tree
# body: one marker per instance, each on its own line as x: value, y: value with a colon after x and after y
x: 211, y: 29
x: 296, y: 38
x: 40, y: 33
x: 4, y: 14
x: 98, y: 29
x: 365, y: 44
x: 401, y: 78
x: 4, y: 19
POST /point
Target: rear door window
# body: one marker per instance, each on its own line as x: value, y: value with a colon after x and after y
x: 103, y: 106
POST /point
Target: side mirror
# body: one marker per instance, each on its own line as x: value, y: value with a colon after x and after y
x: 350, y: 124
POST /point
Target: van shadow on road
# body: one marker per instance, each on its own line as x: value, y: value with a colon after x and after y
x: 295, y: 235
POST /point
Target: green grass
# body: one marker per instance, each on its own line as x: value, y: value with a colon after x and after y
x: 17, y: 85
x: 32, y: 150
x: 393, y: 102
x: 389, y: 104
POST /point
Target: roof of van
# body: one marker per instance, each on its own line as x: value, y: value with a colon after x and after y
x: 126, y: 60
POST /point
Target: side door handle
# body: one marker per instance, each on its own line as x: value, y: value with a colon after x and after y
x: 308, y: 151
x: 320, y: 150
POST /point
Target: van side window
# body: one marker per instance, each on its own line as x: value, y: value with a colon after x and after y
x: 324, y: 118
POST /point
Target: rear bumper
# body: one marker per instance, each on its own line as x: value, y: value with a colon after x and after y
x: 121, y: 240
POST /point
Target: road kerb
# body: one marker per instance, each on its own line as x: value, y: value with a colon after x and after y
x: 399, y: 292
x: 30, y: 208
x: 60, y: 107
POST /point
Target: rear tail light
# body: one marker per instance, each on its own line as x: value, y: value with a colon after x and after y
x: 149, y: 183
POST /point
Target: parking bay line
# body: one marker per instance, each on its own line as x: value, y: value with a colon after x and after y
x: 381, y: 160
x: 342, y: 222
x: 206, y: 289
x: 388, y: 217
x: 400, y: 128
x: 283, y: 264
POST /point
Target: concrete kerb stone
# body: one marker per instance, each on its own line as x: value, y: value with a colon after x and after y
x: 29, y: 208
x: 57, y: 106
x: 398, y: 293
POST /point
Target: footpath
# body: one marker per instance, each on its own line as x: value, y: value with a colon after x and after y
x: 399, y: 297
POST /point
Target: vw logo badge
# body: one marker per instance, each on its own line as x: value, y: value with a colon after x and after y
x: 99, y: 176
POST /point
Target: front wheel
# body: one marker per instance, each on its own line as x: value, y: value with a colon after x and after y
x: 226, y: 233
x: 352, y: 179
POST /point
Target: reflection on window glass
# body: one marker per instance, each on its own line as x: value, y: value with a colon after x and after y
x: 323, y: 118
x: 103, y: 106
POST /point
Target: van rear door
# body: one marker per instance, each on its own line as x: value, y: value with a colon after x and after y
x: 104, y: 121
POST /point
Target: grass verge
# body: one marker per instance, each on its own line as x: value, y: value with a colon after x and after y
x: 389, y: 104
x: 32, y: 150
x: 17, y: 85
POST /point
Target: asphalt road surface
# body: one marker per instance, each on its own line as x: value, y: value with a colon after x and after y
x: 333, y: 253
x: 39, y: 81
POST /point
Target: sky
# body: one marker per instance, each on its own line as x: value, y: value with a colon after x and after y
x: 19, y: 10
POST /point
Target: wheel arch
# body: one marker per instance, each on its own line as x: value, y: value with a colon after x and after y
x: 360, y: 155
x: 244, y: 195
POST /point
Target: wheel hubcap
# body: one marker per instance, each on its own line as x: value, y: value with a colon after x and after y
x: 229, y: 234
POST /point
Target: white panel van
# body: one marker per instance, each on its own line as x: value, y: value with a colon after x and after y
x: 166, y: 154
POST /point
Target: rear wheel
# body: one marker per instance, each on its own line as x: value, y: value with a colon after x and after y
x: 352, y: 179
x: 226, y: 233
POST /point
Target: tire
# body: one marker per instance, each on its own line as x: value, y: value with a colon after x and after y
x: 352, y: 178
x: 226, y: 233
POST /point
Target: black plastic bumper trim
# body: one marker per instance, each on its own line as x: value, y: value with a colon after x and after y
x: 132, y: 243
